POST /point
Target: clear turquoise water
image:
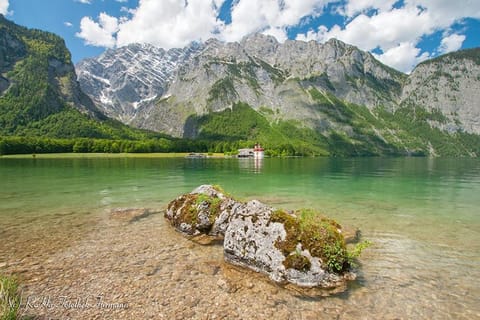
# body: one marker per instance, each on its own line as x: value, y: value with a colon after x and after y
x: 423, y: 215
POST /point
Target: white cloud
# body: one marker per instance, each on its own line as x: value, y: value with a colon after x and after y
x: 170, y: 23
x: 397, y: 31
x: 279, y: 33
x: 385, y: 30
x: 312, y: 35
x: 68, y: 24
x: 253, y: 16
x: 445, y: 12
x: 403, y: 57
x: 354, y: 7
x: 451, y: 43
x: 174, y: 23
x: 4, y: 6
x: 100, y: 34
x: 127, y: 10
x: 122, y: 1
x: 84, y: 1
x: 247, y: 17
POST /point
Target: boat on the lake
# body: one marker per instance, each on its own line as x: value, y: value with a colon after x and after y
x: 194, y: 155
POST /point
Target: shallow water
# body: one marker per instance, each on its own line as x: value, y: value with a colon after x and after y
x: 421, y: 214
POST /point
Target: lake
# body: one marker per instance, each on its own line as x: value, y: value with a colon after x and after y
x: 422, y: 215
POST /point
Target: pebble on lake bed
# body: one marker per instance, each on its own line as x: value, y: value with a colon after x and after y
x: 130, y: 214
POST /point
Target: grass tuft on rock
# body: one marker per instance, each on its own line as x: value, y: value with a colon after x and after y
x: 213, y: 204
x: 9, y: 298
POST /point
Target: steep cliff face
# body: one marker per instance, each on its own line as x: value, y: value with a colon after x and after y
x: 450, y: 85
x: 38, y: 77
x: 349, y: 73
x: 39, y: 91
x: 36, y: 66
x: 265, y: 74
x: 11, y: 50
x: 121, y: 81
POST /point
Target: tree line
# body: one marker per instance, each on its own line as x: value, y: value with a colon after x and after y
x: 33, y: 145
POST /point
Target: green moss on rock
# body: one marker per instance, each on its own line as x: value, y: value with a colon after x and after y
x: 292, y: 228
x: 298, y: 262
x: 213, y: 204
x: 319, y: 235
x: 185, y: 208
x: 195, y: 213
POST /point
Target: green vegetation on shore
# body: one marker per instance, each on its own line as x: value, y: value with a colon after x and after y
x: 242, y: 127
x: 32, y: 145
x: 12, y: 145
x: 102, y: 155
x: 407, y: 131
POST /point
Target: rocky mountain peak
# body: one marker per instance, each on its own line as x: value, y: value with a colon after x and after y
x: 448, y: 85
x: 262, y: 45
x: 265, y: 73
x: 121, y: 80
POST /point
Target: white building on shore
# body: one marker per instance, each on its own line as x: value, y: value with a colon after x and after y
x: 257, y: 152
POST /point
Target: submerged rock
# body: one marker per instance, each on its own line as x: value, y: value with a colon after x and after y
x: 302, y: 248
x: 130, y: 214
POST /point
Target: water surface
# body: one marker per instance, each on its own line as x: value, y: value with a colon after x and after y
x: 422, y: 215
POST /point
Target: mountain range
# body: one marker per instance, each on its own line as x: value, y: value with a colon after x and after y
x: 333, y: 93
x: 294, y: 97
x: 138, y: 84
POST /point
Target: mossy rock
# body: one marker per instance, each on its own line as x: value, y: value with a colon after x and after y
x: 319, y: 235
x: 302, y: 248
x: 196, y: 213
x: 184, y: 215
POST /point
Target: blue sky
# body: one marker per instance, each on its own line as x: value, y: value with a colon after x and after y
x: 401, y: 33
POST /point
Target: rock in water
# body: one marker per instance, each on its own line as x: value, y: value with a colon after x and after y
x: 203, y: 211
x: 302, y: 248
